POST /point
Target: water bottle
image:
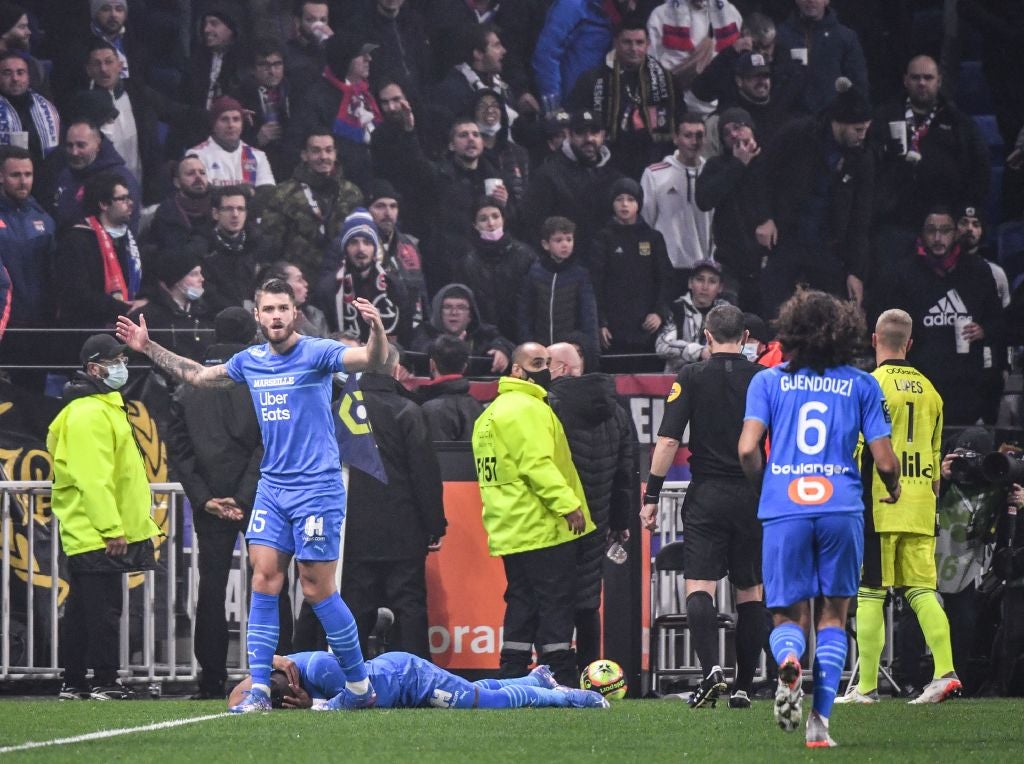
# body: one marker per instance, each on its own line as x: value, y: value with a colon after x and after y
x: 617, y: 553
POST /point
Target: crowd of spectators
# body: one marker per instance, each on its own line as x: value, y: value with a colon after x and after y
x: 532, y: 153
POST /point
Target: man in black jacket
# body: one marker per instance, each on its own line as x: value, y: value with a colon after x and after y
x: 214, y: 445
x: 936, y: 157
x: 818, y: 185
x: 450, y: 410
x: 605, y: 450
x: 729, y: 185
x: 391, y: 527
x: 952, y: 297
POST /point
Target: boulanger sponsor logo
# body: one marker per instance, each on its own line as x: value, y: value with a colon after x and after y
x: 946, y: 310
x: 810, y: 490
x: 809, y: 469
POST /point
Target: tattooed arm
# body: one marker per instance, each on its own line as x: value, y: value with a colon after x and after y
x: 136, y: 336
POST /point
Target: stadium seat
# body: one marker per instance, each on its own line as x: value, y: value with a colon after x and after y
x: 989, y: 130
x: 972, y: 93
x: 669, y: 654
x: 1010, y: 248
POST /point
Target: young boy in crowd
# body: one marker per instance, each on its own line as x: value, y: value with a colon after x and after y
x: 557, y: 299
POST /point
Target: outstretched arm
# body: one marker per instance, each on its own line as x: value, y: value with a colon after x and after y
x: 136, y: 336
x: 375, y: 352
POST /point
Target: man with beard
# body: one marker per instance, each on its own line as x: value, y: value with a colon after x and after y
x: 300, y: 500
x: 453, y: 313
x: 575, y: 183
x: 26, y: 118
x: 229, y: 160
x: 304, y: 52
x: 16, y: 36
x: 307, y: 211
x: 480, y: 69
x: 185, y: 214
x: 952, y: 297
x: 936, y: 157
x: 635, y: 98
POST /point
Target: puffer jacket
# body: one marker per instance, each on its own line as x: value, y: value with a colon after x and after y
x: 681, y: 339
x: 556, y: 302
x: 605, y: 450
x: 575, y: 37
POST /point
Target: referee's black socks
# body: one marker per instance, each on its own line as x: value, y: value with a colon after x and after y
x: 751, y: 630
x: 703, y: 620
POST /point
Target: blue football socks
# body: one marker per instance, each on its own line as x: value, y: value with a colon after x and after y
x: 342, y: 636
x: 786, y: 639
x: 829, y: 659
x: 261, y: 636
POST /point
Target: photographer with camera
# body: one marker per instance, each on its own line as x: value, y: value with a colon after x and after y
x: 972, y: 509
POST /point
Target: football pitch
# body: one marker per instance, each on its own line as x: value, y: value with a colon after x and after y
x: 632, y: 730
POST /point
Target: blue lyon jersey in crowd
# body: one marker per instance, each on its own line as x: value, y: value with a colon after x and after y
x: 401, y: 680
x: 292, y: 396
x: 814, y: 421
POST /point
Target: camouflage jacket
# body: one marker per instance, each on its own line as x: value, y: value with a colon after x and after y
x: 298, y: 230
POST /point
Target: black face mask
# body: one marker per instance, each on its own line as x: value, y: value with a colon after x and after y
x: 542, y: 377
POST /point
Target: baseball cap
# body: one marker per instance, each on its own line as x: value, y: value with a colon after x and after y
x: 583, y: 119
x: 749, y: 64
x: 100, y: 347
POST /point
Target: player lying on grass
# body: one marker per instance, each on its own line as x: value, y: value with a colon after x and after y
x: 402, y: 680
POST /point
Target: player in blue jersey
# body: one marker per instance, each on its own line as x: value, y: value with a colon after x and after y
x: 403, y: 680
x: 814, y: 408
x: 300, y: 501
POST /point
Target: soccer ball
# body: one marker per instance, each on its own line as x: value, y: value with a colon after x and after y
x: 605, y: 677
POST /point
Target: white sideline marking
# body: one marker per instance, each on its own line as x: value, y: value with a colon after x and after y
x: 109, y: 733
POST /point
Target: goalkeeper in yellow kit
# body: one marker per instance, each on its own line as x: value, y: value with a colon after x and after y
x: 899, y: 550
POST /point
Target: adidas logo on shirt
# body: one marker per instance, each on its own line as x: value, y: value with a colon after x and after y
x: 945, y: 311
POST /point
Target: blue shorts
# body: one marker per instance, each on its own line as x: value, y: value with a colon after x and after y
x: 805, y: 557
x: 302, y: 522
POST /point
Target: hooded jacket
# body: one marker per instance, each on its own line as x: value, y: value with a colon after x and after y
x: 681, y: 339
x: 100, y: 486
x: 528, y: 483
x: 605, y: 450
x: 480, y: 336
x: 450, y: 410
x: 575, y: 37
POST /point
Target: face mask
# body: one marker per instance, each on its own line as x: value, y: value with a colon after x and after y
x: 542, y: 377
x: 494, y: 235
x: 750, y: 351
x: 117, y: 375
x: 116, y: 231
x: 193, y: 293
x: 490, y: 130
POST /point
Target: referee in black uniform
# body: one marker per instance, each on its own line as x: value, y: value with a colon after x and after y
x: 721, y: 532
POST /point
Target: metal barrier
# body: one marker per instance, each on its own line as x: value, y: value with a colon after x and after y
x: 151, y: 652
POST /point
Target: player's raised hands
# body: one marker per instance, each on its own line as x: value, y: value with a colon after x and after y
x: 135, y: 336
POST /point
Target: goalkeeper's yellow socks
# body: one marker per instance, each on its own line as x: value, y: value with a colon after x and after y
x: 870, y: 636
x: 935, y: 626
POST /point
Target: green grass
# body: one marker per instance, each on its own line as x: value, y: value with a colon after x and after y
x: 634, y: 731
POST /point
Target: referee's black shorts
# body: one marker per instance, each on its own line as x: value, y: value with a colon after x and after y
x: 721, y: 532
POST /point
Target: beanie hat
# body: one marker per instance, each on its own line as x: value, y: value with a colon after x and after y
x: 736, y: 116
x: 173, y: 265
x: 224, y: 12
x: 971, y: 210
x: 340, y: 49
x: 95, y: 5
x: 758, y: 329
x: 850, y: 106
x: 975, y: 439
x: 234, y: 325
x: 221, y: 105
x: 10, y: 14
x: 360, y: 223
x: 626, y: 186
x: 378, y: 188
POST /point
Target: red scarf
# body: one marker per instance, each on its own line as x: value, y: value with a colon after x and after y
x: 114, y: 284
x: 943, y: 266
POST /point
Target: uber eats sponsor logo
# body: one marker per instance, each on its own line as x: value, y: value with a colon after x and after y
x: 945, y: 311
x: 272, y: 407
